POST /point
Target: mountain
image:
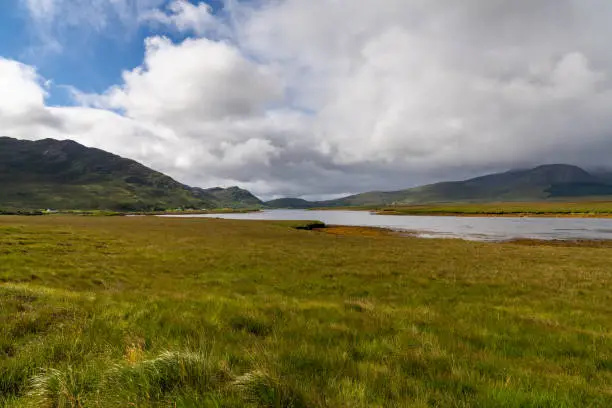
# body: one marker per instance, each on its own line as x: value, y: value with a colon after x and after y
x: 604, y: 176
x: 540, y: 183
x: 63, y: 174
x: 290, y: 203
x: 546, y: 182
x: 232, y: 197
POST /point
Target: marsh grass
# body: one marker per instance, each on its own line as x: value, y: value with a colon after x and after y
x: 150, y: 312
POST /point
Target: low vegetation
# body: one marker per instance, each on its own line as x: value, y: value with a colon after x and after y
x: 11, y: 211
x: 155, y: 312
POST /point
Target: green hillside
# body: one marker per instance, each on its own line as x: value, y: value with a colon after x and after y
x: 290, y: 203
x: 66, y: 175
x: 546, y: 182
x: 232, y: 197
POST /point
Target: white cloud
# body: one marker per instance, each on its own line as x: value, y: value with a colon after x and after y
x: 196, y: 81
x: 187, y: 17
x: 21, y: 88
x: 431, y: 85
x: 318, y: 97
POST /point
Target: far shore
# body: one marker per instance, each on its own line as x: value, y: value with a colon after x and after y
x: 108, y: 213
x: 545, y: 209
x: 595, y: 209
x: 500, y: 215
x: 467, y: 214
x: 199, y: 212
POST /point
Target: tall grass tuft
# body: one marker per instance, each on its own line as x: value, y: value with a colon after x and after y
x: 55, y: 388
x: 171, y: 373
x: 266, y: 390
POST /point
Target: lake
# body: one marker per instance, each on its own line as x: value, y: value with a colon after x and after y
x: 471, y: 228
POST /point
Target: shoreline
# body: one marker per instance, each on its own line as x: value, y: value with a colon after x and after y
x: 474, y: 211
x: 493, y: 215
x: 379, y: 232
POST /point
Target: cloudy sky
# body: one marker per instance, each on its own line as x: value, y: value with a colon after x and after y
x: 313, y: 98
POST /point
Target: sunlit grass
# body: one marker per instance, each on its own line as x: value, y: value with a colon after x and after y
x: 116, y: 312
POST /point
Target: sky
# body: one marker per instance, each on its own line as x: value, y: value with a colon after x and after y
x: 313, y: 98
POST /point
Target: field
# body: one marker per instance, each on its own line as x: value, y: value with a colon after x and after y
x: 152, y: 312
x: 544, y: 208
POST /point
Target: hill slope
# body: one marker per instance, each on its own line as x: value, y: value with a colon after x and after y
x: 66, y: 175
x: 290, y: 203
x: 232, y: 197
x: 540, y: 183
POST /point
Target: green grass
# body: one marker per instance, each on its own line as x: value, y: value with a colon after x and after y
x: 152, y: 312
x: 554, y: 208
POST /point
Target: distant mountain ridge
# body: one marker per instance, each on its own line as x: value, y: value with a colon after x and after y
x: 291, y: 203
x: 63, y: 174
x: 67, y: 175
x: 553, y: 181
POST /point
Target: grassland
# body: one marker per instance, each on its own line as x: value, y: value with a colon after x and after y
x: 152, y: 312
x: 508, y: 209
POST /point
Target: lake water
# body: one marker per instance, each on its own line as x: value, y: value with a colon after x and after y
x: 472, y: 228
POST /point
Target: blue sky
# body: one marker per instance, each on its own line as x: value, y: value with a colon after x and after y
x: 89, y: 60
x: 14, y: 34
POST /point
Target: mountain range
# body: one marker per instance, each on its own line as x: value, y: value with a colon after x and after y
x: 63, y: 174
x: 547, y: 182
